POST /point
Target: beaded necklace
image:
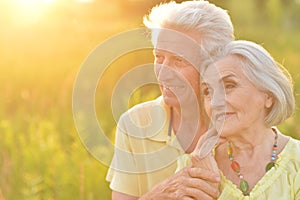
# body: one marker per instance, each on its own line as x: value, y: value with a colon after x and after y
x: 235, y: 166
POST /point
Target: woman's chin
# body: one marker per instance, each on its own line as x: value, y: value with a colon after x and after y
x: 223, y: 131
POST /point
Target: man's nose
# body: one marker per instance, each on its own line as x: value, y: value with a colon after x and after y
x: 165, y: 71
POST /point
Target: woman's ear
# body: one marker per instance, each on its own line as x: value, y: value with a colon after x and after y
x: 269, y: 100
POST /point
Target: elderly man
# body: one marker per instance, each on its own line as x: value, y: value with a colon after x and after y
x: 151, y: 136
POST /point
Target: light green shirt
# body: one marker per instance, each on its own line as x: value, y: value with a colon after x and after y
x: 281, y: 182
x: 144, y: 153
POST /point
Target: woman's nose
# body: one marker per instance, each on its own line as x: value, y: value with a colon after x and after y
x: 218, y: 99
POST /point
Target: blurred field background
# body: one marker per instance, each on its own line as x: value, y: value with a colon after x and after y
x: 42, y: 46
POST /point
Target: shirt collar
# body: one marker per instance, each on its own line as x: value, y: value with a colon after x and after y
x: 162, y: 135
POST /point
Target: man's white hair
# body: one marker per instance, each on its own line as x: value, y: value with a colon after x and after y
x: 211, y: 23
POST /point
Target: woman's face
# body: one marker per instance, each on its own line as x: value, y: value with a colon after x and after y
x: 233, y: 103
x: 177, y: 56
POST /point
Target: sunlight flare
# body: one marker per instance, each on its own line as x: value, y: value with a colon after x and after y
x: 30, y: 11
x: 85, y: 1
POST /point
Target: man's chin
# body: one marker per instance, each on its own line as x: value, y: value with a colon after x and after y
x: 171, y: 101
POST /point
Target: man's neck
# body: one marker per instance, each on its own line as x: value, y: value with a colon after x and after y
x: 188, y: 127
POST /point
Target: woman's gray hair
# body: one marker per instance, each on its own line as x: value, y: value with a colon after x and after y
x: 212, y: 23
x: 266, y: 74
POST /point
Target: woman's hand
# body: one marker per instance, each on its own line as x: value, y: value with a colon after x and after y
x: 202, y: 156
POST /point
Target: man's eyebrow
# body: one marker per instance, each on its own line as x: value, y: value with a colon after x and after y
x: 155, y: 51
x: 172, y: 53
x: 158, y: 49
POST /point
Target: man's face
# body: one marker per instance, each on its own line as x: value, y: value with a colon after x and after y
x: 177, y: 61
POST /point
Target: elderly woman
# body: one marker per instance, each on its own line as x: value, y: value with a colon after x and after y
x: 246, y: 94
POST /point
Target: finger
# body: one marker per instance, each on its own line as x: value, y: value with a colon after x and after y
x: 187, y: 198
x: 221, y: 140
x: 181, y: 193
x: 208, y: 163
x: 202, y: 188
x: 206, y: 143
x: 204, y: 174
x: 196, y: 189
x: 211, y: 132
x: 193, y: 193
x: 185, y: 172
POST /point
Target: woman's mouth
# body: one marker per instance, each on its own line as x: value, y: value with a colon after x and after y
x: 223, y: 116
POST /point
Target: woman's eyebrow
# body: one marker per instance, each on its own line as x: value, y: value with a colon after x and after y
x: 231, y: 75
x: 204, y: 83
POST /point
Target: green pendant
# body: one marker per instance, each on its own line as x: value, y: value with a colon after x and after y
x: 269, y: 166
x: 244, y: 187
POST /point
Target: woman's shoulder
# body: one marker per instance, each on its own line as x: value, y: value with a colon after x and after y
x: 292, y: 150
x: 294, y: 146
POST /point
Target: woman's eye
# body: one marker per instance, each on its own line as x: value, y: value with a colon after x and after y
x: 230, y: 85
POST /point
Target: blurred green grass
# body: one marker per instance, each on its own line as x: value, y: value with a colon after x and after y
x: 41, y: 155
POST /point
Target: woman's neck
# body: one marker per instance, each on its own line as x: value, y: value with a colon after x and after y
x: 250, y: 140
x: 253, y: 155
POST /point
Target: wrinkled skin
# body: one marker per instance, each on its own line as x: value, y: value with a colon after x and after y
x: 189, y: 183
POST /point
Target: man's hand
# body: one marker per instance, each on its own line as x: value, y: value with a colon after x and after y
x: 189, y: 183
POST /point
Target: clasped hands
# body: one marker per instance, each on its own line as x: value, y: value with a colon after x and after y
x: 199, y: 180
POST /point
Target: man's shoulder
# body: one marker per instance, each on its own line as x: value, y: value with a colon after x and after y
x: 147, y: 105
x: 146, y: 113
